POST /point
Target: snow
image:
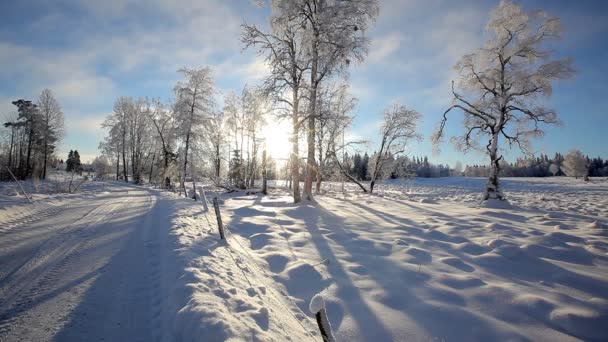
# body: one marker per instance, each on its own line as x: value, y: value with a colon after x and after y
x: 316, y: 304
x: 420, y: 260
x: 426, y: 260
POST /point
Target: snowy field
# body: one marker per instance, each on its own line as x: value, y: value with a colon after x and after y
x: 417, y: 261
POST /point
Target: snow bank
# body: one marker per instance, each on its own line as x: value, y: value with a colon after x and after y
x: 216, y: 293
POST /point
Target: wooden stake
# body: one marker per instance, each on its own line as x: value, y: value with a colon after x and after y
x: 220, y: 226
x: 324, y: 326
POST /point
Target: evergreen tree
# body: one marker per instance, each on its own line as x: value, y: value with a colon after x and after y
x: 69, y: 166
x: 77, y: 164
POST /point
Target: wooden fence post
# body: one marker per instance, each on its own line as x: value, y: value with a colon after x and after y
x: 220, y: 226
x: 317, y: 306
x: 204, y: 198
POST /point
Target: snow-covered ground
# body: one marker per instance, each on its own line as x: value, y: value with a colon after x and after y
x: 421, y: 260
x: 425, y: 261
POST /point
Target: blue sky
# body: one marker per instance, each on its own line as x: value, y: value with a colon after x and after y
x: 91, y: 52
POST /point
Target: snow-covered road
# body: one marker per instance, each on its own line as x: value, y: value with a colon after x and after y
x: 89, y: 268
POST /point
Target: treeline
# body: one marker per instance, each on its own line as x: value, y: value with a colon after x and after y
x: 399, y: 167
x: 30, y: 137
x: 188, y: 138
x: 574, y: 164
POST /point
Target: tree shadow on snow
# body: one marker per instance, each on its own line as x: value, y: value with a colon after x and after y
x: 397, y: 282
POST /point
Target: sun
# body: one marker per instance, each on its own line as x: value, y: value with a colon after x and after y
x: 277, y: 135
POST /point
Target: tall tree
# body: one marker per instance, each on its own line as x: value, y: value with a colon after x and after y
x: 29, y: 117
x: 52, y: 127
x: 288, y: 61
x: 333, y: 38
x: 193, y: 105
x: 502, y: 82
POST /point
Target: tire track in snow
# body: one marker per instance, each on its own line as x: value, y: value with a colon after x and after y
x: 45, y: 268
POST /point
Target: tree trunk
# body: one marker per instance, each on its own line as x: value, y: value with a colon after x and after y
x: 117, y: 164
x: 151, y: 168
x: 183, y: 181
x: 314, y: 84
x: 346, y: 174
x: 217, y: 160
x: 124, y: 160
x: 318, y: 185
x: 46, y: 147
x: 264, y: 171
x: 295, y: 153
x: 29, y: 153
x: 10, y: 150
x: 493, y: 190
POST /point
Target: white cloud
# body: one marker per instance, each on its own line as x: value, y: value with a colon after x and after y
x: 384, y: 46
x: 85, y: 125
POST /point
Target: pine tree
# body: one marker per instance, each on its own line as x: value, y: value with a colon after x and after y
x: 77, y: 164
x: 70, y: 162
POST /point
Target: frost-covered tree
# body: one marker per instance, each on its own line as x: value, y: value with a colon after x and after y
x: 501, y: 83
x: 117, y: 125
x: 194, y: 103
x: 575, y: 164
x: 399, y: 127
x: 287, y: 61
x: 335, y: 105
x: 51, y: 127
x: 333, y: 38
x: 554, y: 169
x: 163, y: 122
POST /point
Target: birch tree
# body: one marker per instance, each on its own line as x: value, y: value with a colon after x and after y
x: 52, y: 126
x: 287, y: 61
x: 194, y: 103
x: 335, y: 104
x: 501, y: 84
x: 398, y: 128
x: 333, y: 39
x: 163, y: 122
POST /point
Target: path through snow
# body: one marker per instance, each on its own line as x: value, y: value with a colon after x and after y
x: 87, y: 267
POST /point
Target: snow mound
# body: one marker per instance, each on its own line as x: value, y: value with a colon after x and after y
x: 317, y: 303
x: 595, y: 225
x: 493, y: 203
x: 583, y: 322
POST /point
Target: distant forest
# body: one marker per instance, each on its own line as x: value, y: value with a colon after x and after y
x: 403, y: 166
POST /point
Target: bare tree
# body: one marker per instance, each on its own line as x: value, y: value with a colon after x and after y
x: 288, y: 62
x: 398, y: 128
x: 117, y: 124
x: 52, y: 127
x: 333, y: 39
x: 194, y: 103
x: 335, y: 104
x: 575, y: 164
x: 215, y: 128
x: 501, y: 83
x: 164, y: 124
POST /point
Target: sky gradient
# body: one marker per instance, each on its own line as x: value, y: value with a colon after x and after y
x: 91, y: 52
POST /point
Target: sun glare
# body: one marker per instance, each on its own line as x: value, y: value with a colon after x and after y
x: 277, y: 135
